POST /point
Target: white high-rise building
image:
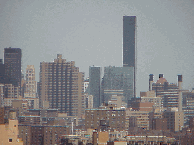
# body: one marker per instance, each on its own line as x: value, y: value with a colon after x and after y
x: 30, y: 91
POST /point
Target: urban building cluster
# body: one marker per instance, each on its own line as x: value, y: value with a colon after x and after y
x: 64, y: 108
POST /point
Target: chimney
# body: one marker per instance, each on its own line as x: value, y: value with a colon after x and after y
x: 59, y: 58
x: 94, y: 137
x: 161, y: 76
x: 151, y: 80
x: 180, y: 79
x: 180, y: 92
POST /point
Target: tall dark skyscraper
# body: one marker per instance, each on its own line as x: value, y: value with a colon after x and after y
x: 129, y: 44
x: 2, y: 71
x: 12, y: 65
x: 95, y: 85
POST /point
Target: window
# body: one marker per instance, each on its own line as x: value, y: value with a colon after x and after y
x: 10, y: 140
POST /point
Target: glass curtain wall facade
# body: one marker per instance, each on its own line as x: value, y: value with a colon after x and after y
x: 118, y: 81
x: 95, y: 85
x: 129, y: 45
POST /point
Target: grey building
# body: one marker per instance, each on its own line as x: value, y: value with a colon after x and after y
x: 129, y: 44
x: 95, y: 84
x: 118, y: 81
x: 2, y: 71
x: 188, y: 106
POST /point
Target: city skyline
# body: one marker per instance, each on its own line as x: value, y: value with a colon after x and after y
x: 94, y: 31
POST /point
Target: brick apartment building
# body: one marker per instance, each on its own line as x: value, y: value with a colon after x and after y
x: 103, y: 119
x: 37, y: 134
x: 61, y: 86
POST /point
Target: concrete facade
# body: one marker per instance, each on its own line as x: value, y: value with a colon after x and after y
x: 175, y: 120
x: 118, y: 81
x: 37, y: 134
x: 142, y: 118
x: 30, y: 85
x: 9, y: 133
x: 103, y: 137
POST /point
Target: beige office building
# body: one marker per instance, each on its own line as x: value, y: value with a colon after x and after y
x: 150, y: 96
x: 30, y: 90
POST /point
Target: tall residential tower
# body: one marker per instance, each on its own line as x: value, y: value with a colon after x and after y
x: 129, y: 44
x: 61, y: 86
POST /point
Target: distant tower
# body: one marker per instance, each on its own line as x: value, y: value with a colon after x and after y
x: 95, y: 84
x: 180, y: 92
x: 151, y: 80
x: 30, y: 90
x: 129, y: 44
x: 180, y: 82
x: 161, y: 75
x: 12, y: 64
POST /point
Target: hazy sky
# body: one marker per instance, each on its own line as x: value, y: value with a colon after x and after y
x: 90, y: 33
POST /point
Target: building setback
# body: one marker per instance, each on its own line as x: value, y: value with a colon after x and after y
x: 129, y: 44
x: 61, y: 86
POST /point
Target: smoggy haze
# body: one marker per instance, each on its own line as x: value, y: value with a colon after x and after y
x: 91, y: 32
